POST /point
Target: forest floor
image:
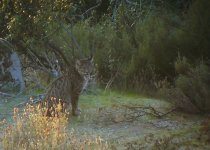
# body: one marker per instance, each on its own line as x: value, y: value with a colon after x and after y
x: 129, y: 121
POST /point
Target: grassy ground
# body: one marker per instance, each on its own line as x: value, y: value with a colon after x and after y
x: 104, y: 114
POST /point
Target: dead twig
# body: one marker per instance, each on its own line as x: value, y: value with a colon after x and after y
x: 92, y: 8
x: 109, y: 83
x: 149, y: 110
x: 128, y: 113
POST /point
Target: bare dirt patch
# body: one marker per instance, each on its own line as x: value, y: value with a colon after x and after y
x: 126, y: 130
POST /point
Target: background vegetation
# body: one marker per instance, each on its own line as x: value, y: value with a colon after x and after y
x: 142, y: 46
x: 150, y: 47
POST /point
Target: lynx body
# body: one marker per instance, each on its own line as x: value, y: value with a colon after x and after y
x: 67, y: 88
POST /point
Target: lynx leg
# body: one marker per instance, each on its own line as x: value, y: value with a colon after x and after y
x: 74, y: 104
x: 49, y: 108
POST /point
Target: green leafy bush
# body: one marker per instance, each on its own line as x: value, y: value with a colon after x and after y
x: 192, y: 37
x: 195, y: 85
x: 134, y: 46
x: 157, y: 43
x: 182, y: 65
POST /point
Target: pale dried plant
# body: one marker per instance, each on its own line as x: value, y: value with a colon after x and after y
x: 32, y: 130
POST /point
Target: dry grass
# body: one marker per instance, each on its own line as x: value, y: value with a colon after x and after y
x: 32, y: 130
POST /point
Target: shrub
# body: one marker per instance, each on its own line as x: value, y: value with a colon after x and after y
x: 193, y: 38
x: 182, y: 65
x: 157, y: 45
x: 32, y: 130
x: 195, y: 85
x: 137, y: 52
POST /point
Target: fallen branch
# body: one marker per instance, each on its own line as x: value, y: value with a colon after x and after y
x: 6, y: 114
x: 127, y: 113
x: 6, y: 94
x: 92, y: 8
x: 32, y: 100
x: 149, y: 110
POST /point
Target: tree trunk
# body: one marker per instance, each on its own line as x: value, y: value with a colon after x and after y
x: 16, y: 72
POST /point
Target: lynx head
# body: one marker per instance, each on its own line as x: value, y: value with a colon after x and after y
x: 85, y: 67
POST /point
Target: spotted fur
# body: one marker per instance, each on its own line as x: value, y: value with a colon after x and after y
x: 67, y: 88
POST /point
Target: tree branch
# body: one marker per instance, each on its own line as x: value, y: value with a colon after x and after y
x: 7, y: 44
x: 131, y: 3
x: 90, y: 9
x: 6, y: 94
x: 59, y: 52
x: 72, y: 37
x: 149, y: 110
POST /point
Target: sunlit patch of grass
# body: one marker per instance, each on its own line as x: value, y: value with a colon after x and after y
x: 32, y: 130
x: 110, y: 98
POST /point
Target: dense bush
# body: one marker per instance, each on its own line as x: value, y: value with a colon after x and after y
x: 195, y: 85
x: 182, y: 65
x: 131, y: 66
x: 134, y: 48
x: 193, y: 37
x: 138, y: 57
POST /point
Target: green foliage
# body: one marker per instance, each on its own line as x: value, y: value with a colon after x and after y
x: 182, y: 65
x: 195, y: 85
x: 193, y: 38
x: 156, y: 44
x: 112, y: 53
x: 136, y: 57
x: 135, y: 45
